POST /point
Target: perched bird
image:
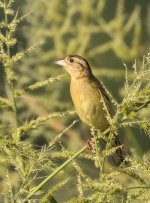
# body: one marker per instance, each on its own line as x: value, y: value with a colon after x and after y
x: 88, y: 95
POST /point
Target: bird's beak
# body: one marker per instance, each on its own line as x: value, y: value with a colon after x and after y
x: 61, y: 62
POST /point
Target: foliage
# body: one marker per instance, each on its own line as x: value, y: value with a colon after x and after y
x: 26, y: 165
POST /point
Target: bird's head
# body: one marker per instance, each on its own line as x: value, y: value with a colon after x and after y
x: 76, y: 66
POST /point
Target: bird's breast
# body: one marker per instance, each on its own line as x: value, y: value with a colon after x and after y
x: 88, y: 103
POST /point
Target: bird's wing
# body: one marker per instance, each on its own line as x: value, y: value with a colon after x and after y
x: 105, y: 96
x: 102, y: 89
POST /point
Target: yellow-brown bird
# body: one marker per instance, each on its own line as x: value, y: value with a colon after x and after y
x: 88, y: 95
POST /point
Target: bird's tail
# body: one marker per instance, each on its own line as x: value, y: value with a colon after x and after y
x: 120, y: 154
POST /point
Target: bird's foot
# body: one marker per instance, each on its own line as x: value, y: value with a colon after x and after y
x: 90, y: 146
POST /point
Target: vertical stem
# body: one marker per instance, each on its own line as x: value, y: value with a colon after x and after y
x: 16, y: 137
x: 99, y: 163
x: 10, y: 91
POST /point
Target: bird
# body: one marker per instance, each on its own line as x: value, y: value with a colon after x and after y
x: 89, y: 96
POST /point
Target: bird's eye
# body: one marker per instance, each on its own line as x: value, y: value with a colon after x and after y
x: 71, y: 60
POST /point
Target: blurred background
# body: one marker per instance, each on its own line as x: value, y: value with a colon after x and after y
x: 106, y: 33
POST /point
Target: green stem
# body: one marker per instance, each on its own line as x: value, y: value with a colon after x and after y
x: 15, y: 112
x: 138, y: 187
x: 6, y: 21
x: 54, y: 173
x: 11, y: 84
